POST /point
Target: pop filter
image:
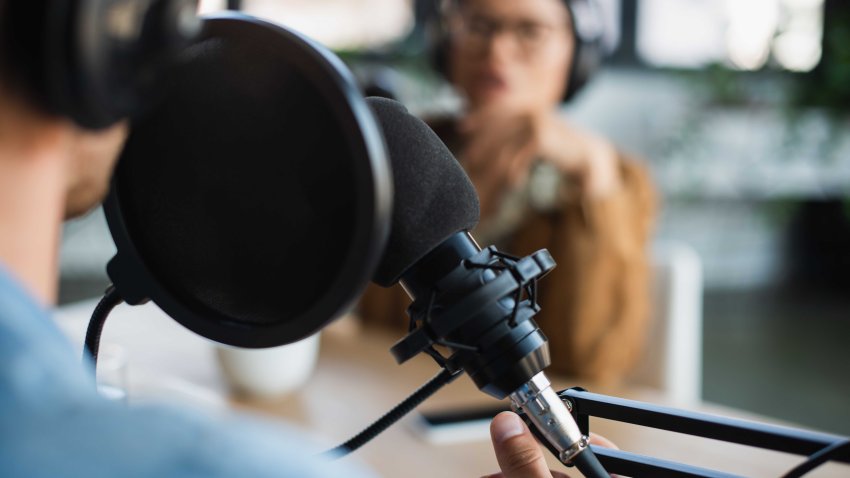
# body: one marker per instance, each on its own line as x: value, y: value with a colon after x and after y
x: 252, y: 200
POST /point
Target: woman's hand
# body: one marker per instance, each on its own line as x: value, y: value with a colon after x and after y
x: 518, y: 453
x: 500, y: 147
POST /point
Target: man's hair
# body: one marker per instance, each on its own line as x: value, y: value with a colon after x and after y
x: 4, y: 42
x: 20, y: 45
x: 8, y: 75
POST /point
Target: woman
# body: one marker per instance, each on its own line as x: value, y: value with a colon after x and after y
x: 544, y: 183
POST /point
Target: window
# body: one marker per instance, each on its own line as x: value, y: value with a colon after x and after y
x: 742, y: 34
x: 337, y: 24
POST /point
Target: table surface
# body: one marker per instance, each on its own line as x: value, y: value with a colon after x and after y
x: 356, y: 380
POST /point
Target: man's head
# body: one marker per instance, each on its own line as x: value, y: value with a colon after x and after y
x: 27, y: 131
x: 74, y: 66
x: 92, y: 162
x: 89, y: 157
x: 511, y: 53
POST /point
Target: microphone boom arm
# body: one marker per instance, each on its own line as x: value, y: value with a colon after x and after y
x: 583, y: 405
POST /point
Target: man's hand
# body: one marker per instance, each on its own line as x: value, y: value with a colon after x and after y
x: 518, y: 453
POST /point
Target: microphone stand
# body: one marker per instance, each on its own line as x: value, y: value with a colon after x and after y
x: 819, y: 447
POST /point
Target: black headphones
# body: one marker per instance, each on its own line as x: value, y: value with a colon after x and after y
x: 93, y: 61
x: 587, y: 28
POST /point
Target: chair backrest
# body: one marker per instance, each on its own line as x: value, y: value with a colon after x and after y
x: 672, y: 360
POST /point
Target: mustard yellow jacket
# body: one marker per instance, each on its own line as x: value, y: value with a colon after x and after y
x: 596, y: 302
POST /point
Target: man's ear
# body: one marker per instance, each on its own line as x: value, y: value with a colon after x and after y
x: 25, y: 131
x: 90, y: 167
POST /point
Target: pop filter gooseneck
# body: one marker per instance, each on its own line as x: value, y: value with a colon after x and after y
x: 252, y: 201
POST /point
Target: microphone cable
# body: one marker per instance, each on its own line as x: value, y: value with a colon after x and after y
x: 443, y: 378
x: 111, y: 299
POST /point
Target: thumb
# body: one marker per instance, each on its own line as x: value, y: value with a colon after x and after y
x: 517, y: 451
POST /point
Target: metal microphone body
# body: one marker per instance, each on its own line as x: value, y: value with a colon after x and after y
x: 468, y: 300
x: 477, y: 303
x: 550, y: 416
x: 480, y: 305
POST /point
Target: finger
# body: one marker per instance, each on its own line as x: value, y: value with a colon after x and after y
x: 517, y: 452
x: 493, y: 132
x: 490, y: 195
x: 494, y: 122
x: 555, y: 474
x: 484, y: 144
x: 602, y: 441
x: 520, y: 165
x: 483, y: 116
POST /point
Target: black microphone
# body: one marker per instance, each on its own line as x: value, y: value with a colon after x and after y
x: 478, y: 303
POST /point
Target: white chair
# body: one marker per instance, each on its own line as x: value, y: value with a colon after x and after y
x: 672, y: 360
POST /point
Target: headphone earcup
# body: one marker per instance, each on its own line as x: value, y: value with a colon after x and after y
x: 587, y: 60
x: 92, y: 61
x: 61, y: 52
x: 34, y: 46
x: 119, y: 49
x: 438, y: 54
x: 589, y: 53
x: 437, y: 40
x: 106, y: 46
x: 61, y: 62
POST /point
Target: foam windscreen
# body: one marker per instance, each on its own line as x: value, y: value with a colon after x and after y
x: 434, y: 198
x: 252, y: 201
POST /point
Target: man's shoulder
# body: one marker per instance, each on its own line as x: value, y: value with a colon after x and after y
x: 97, y: 437
x: 15, y: 300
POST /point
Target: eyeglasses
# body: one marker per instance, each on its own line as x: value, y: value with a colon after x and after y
x: 477, y: 30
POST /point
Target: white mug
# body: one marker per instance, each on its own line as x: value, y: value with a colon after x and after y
x: 269, y: 373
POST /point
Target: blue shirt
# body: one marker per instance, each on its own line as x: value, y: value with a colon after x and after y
x: 54, y: 424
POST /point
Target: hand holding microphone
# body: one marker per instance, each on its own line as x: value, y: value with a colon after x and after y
x: 518, y: 453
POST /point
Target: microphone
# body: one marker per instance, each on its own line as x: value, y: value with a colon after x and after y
x: 478, y: 303
x: 234, y: 190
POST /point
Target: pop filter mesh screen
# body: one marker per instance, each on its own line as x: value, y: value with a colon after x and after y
x: 238, y: 188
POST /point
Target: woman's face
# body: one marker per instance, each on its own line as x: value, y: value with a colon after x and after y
x: 514, y: 54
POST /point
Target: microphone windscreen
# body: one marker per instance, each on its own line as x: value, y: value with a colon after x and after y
x: 434, y: 199
x: 251, y: 203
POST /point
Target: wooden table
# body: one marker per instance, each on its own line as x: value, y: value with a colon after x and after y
x: 356, y: 381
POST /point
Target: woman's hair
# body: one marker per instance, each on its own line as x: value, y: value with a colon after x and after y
x: 449, y: 4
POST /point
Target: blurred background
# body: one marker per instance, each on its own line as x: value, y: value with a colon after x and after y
x: 741, y: 109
